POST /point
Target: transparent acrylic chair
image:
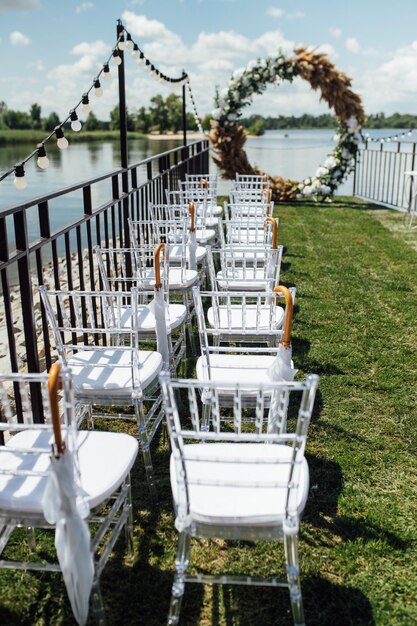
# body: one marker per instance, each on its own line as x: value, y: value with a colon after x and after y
x: 239, y: 362
x: 246, y: 231
x: 29, y: 450
x: 243, y: 208
x: 204, y: 209
x: 171, y: 227
x: 239, y: 485
x: 123, y: 268
x: 250, y: 317
x: 95, y: 341
x: 202, y: 191
x: 249, y: 181
x: 240, y: 268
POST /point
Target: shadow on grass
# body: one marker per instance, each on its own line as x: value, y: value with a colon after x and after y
x: 325, y: 604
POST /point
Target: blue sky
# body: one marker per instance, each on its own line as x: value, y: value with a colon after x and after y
x: 51, y: 49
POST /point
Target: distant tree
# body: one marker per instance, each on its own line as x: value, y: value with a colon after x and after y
x: 16, y: 119
x: 35, y: 114
x: 205, y: 122
x: 115, y: 120
x: 51, y: 121
x: 92, y: 122
x: 158, y: 113
x: 142, y: 121
x: 258, y: 127
x: 173, y: 105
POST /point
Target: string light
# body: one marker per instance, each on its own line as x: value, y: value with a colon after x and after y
x: 75, y: 122
x: 389, y: 138
x: 62, y: 142
x: 97, y: 88
x: 106, y: 72
x: 19, y: 180
x: 43, y: 161
x: 117, y: 59
x: 85, y: 103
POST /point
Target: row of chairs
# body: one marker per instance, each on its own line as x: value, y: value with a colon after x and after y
x: 251, y: 481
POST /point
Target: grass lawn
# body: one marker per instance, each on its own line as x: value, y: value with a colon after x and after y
x: 355, y: 325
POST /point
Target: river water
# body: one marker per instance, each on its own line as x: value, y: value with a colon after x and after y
x: 292, y: 154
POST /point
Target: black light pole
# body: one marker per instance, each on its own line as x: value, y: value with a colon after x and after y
x: 184, y: 113
x: 124, y: 158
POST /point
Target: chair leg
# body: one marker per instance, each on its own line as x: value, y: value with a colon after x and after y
x: 97, y: 606
x: 130, y: 549
x: 145, y: 447
x: 293, y: 577
x: 178, y: 586
x: 191, y: 341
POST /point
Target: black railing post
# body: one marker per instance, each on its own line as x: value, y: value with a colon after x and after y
x: 184, y: 113
x: 124, y: 157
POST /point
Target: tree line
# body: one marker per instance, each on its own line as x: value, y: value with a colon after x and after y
x: 165, y: 115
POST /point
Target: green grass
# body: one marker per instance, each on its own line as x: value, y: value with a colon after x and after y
x: 355, y: 325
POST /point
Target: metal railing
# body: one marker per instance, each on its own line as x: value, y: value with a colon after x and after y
x: 379, y: 173
x: 35, y: 249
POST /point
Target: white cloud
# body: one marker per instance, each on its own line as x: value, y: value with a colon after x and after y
x: 335, y: 32
x: 38, y: 65
x: 144, y: 28
x: 391, y: 86
x: 19, y: 39
x: 84, y: 6
x: 18, y: 5
x: 229, y: 45
x: 270, y: 42
x: 275, y: 12
x: 96, y: 48
x: 328, y: 49
x: 353, y: 45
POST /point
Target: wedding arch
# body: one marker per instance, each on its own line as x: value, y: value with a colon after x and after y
x: 229, y: 138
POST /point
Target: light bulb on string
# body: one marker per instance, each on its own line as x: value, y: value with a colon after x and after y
x: 142, y: 59
x: 135, y: 52
x: 148, y: 65
x: 75, y: 122
x: 117, y: 59
x: 98, y: 90
x: 121, y: 44
x: 19, y: 180
x: 129, y: 42
x: 409, y: 133
x: 62, y: 142
x: 86, y: 103
x: 106, y: 72
x: 42, y: 161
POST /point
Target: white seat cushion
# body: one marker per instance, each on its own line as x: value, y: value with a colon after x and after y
x: 175, y: 254
x: 178, y: 279
x: 205, y: 235
x: 146, y: 319
x: 247, y: 499
x: 235, y: 368
x: 107, y: 371
x: 232, y: 317
x: 99, y: 477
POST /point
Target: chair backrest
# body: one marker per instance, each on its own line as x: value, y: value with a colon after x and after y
x: 241, y: 210
x: 246, y: 231
x: 264, y: 406
x: 243, y: 316
x: 244, y: 264
x: 25, y: 405
x: 251, y: 179
x: 124, y: 268
x: 91, y: 318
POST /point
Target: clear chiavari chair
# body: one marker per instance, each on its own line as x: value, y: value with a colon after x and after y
x: 100, y: 346
x: 243, y: 483
x: 54, y: 477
